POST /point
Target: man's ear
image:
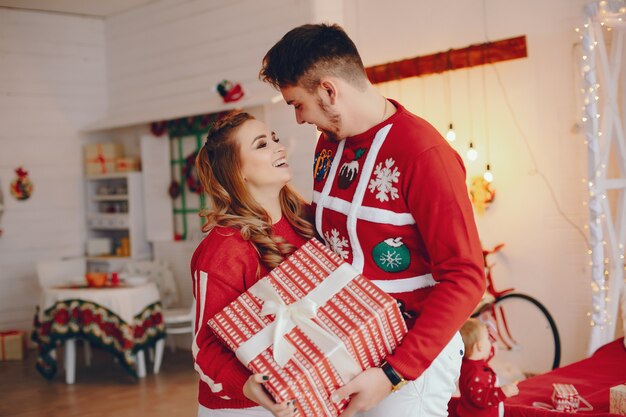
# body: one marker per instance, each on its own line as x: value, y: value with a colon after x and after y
x: 328, y: 88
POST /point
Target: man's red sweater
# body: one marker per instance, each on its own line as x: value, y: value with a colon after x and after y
x: 393, y: 202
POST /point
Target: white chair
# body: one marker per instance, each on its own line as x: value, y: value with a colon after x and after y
x: 61, y: 272
x: 158, y: 272
x: 176, y: 320
x: 65, y: 272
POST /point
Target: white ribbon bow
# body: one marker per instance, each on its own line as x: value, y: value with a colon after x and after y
x: 300, y: 313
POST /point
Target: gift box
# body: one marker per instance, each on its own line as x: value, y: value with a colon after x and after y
x: 618, y: 400
x: 312, y: 325
x: 100, y: 158
x: 565, y: 398
x: 127, y: 164
x: 11, y: 345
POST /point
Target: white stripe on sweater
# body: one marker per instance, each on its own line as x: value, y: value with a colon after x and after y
x: 200, y: 284
x: 358, y: 260
x: 394, y: 286
x: 370, y: 214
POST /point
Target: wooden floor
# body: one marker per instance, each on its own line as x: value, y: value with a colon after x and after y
x: 104, y: 389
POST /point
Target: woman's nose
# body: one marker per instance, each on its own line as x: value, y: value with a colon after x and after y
x: 278, y: 147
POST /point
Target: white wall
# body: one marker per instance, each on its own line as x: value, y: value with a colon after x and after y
x: 169, y: 53
x: 167, y: 57
x: 545, y: 255
x: 52, y: 82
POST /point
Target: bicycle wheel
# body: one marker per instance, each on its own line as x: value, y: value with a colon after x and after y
x: 527, y: 336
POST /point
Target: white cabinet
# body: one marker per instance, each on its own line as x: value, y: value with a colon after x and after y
x: 115, y: 221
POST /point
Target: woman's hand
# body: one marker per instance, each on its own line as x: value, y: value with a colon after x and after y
x: 254, y: 391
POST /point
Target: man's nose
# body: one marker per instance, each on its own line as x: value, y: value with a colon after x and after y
x: 299, y: 118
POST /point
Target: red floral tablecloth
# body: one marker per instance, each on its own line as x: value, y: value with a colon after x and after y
x: 87, y: 319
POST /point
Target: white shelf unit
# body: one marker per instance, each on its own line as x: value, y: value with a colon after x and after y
x: 115, y: 212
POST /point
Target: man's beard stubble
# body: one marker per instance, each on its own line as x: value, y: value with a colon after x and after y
x: 334, y: 119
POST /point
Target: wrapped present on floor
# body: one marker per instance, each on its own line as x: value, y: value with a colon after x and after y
x: 100, y: 158
x: 618, y: 400
x: 11, y: 345
x: 312, y: 324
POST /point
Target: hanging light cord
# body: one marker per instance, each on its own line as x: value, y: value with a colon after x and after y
x: 448, y: 88
x: 535, y: 170
x: 486, y: 118
x: 469, y: 99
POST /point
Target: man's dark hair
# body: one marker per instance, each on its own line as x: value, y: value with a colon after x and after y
x: 308, y: 52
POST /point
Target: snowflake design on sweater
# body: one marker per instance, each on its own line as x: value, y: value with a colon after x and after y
x: 390, y: 259
x: 337, y: 243
x: 385, y: 178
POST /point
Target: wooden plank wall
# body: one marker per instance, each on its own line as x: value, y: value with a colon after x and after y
x: 172, y: 53
x: 52, y: 82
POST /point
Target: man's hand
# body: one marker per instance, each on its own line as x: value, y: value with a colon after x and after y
x: 510, y: 390
x: 368, y: 389
x: 254, y: 391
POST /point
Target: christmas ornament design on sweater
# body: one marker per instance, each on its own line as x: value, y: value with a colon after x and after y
x: 321, y: 166
x: 385, y: 178
x: 391, y: 255
x: 337, y: 243
x: 349, y: 170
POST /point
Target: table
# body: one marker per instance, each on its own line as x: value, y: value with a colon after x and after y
x: 123, y: 320
x: 592, y: 377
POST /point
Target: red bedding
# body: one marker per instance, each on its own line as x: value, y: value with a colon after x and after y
x: 592, y: 377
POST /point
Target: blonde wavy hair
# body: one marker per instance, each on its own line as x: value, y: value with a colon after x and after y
x: 219, y: 169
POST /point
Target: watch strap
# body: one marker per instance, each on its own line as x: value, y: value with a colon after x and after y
x: 391, y: 373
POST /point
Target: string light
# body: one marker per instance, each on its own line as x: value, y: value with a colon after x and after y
x: 472, y: 154
x: 488, y: 176
x: 451, y: 135
x: 599, y: 314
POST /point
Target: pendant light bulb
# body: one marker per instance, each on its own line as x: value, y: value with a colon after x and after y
x: 472, y: 154
x: 451, y: 135
x: 488, y: 176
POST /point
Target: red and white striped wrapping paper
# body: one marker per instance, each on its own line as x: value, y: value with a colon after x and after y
x: 565, y: 398
x: 617, y: 404
x: 358, y: 314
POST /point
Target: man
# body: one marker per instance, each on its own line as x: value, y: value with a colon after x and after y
x: 389, y: 198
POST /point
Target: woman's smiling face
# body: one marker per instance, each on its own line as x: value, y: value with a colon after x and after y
x: 263, y: 159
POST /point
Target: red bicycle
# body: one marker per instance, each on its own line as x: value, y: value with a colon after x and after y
x: 522, y: 328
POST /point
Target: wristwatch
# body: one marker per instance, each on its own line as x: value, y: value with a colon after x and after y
x: 397, y: 381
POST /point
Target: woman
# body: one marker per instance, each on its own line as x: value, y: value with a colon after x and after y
x: 254, y: 222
